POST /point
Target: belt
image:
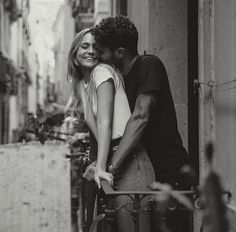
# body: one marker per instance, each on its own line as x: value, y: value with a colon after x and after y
x: 113, y: 147
x: 115, y: 142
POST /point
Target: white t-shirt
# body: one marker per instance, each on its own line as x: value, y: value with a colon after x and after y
x: 101, y: 73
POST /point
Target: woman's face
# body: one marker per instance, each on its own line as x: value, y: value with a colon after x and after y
x: 87, y: 54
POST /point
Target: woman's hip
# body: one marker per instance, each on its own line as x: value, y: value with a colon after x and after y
x: 136, y: 172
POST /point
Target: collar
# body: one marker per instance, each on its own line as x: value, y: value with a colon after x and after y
x: 131, y: 64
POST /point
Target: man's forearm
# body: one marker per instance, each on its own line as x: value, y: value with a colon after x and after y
x: 135, y: 127
x: 133, y: 132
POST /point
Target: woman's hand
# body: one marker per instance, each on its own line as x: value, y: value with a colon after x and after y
x: 102, y: 175
x: 89, y: 171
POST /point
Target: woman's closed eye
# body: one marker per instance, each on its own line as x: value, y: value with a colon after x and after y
x: 84, y: 45
x: 87, y: 45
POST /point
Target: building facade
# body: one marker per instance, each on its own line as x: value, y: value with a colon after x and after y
x: 64, y: 31
x: 72, y: 17
x: 7, y: 16
x: 217, y: 90
x: 15, y: 79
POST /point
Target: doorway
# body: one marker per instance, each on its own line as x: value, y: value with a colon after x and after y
x: 193, y: 129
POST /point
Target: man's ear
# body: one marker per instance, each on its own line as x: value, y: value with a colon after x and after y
x: 120, y: 53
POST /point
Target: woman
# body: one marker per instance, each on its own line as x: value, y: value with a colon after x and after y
x: 100, y: 87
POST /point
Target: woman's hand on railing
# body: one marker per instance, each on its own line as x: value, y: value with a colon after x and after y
x: 102, y: 175
x: 89, y: 171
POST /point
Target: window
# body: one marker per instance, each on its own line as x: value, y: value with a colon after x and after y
x: 121, y: 7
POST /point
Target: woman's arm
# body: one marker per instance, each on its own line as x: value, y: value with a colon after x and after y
x: 105, y: 107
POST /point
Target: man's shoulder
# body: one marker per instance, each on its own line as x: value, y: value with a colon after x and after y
x: 144, y: 64
x: 149, y: 58
x: 147, y: 61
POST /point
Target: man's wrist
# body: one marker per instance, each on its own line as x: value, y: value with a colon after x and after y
x: 112, y: 168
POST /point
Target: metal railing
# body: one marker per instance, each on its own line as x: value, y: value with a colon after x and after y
x: 107, y: 209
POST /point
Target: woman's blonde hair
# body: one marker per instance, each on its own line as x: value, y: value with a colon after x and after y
x: 73, y: 68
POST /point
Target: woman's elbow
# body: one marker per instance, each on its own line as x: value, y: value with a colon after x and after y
x: 104, y: 124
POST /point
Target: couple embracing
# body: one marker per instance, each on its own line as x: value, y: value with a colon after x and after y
x: 129, y: 110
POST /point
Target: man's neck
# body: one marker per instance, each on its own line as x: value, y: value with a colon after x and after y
x: 127, y: 64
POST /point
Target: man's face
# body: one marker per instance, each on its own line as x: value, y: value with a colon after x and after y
x: 108, y: 56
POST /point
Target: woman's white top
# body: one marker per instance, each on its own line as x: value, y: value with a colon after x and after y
x: 88, y: 93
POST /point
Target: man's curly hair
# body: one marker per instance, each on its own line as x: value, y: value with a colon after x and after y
x: 115, y: 32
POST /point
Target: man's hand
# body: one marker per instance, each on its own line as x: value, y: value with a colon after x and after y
x: 89, y: 172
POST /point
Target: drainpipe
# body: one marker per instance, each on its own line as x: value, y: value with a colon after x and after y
x: 206, y: 79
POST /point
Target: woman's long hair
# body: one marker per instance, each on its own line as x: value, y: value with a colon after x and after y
x: 73, y: 68
x: 74, y: 72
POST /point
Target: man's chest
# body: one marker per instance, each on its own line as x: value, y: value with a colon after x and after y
x: 131, y: 90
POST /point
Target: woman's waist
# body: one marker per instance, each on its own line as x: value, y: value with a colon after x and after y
x: 113, y: 147
x: 115, y: 143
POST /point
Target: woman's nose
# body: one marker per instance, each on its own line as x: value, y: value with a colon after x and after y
x: 91, y: 49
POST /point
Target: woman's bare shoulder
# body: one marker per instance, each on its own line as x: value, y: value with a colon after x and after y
x: 103, y: 67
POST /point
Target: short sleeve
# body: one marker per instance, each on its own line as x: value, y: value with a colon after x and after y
x: 102, y: 73
x: 151, y: 75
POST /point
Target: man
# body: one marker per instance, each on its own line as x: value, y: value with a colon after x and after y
x: 153, y: 120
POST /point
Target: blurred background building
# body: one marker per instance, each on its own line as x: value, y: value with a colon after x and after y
x: 35, y: 39
x: 15, y: 74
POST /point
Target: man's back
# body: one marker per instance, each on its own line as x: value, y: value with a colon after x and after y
x: 161, y: 138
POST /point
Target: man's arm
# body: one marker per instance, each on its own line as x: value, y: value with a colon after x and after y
x: 135, y: 127
x: 92, y: 147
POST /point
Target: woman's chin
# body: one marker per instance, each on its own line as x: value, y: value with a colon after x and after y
x: 89, y: 64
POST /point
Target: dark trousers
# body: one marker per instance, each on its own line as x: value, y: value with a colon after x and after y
x: 173, y: 221
x: 174, y: 218
x: 89, y: 196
